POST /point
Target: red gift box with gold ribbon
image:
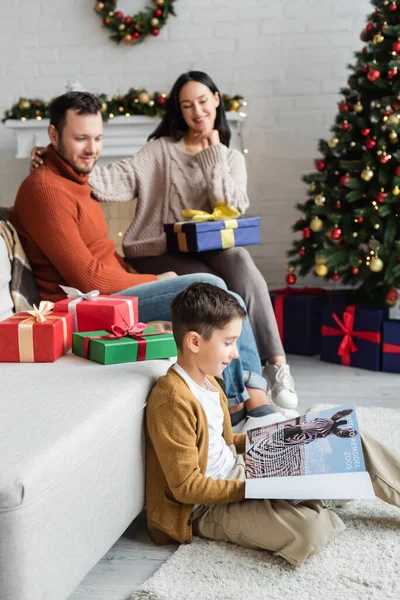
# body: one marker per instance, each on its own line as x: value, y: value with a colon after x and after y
x: 351, y: 336
x: 37, y: 335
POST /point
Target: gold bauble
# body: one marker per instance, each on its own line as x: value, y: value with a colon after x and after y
x: 144, y: 98
x: 333, y: 142
x: 103, y: 107
x: 155, y: 22
x: 396, y: 191
x: 121, y: 109
x: 127, y: 38
x: 378, y: 38
x: 321, y: 258
x: 234, y: 105
x: 393, y: 137
x: 321, y: 270
x: 316, y: 224
x: 121, y: 27
x: 376, y: 264
x: 159, y: 2
x: 24, y: 104
x: 99, y: 6
x: 312, y: 187
x: 358, y: 107
x: 367, y: 174
x: 393, y: 120
x: 319, y: 200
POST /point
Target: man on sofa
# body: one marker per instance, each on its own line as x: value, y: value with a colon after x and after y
x: 65, y: 236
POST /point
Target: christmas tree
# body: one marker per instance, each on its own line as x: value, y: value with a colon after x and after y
x: 351, y: 225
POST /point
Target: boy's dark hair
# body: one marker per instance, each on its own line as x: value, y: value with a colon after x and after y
x: 202, y: 308
x: 83, y: 103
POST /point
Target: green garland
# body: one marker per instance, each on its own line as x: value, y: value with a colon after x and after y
x: 135, y: 102
x: 133, y: 29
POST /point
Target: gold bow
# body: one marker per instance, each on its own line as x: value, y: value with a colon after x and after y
x: 220, y: 213
x: 39, y: 314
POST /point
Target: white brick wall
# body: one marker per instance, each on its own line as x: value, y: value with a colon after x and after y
x: 288, y: 57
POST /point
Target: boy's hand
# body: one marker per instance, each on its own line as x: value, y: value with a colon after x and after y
x: 167, y: 275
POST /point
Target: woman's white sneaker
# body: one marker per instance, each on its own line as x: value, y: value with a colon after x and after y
x: 282, y: 385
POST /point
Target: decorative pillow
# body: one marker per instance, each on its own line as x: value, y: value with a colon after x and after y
x: 6, y: 301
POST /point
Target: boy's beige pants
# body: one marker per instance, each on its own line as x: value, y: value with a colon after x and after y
x: 298, y: 531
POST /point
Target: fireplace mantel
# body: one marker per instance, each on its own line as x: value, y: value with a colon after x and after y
x: 123, y: 136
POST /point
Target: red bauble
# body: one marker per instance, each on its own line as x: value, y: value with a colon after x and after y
x: 370, y: 143
x: 364, y: 69
x: 396, y: 46
x: 381, y: 197
x: 291, y: 278
x: 344, y: 180
x: 338, y: 205
x: 136, y: 35
x: 36, y: 104
x: 158, y: 13
x: 128, y: 20
x: 387, y: 112
x: 395, y: 106
x: 364, y: 49
x: 354, y: 270
x: 391, y: 297
x: 106, y: 22
x: 336, y: 277
x: 155, y: 31
x: 360, y: 219
x: 365, y: 131
x: 160, y: 100
x: 393, y: 6
x: 306, y: 233
x: 343, y: 107
x: 385, y: 158
x: 119, y: 15
x: 302, y: 252
x: 336, y: 233
x: 320, y: 165
x: 373, y: 74
x: 397, y: 171
x: 369, y: 27
x: 390, y: 75
x: 345, y: 126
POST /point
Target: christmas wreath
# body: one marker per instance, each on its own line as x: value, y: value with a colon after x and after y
x: 133, y: 29
x: 135, y: 102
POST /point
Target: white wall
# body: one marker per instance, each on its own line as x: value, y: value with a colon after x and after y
x: 288, y: 57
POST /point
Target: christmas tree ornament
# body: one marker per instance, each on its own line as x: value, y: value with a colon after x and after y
x: 291, y: 278
x: 159, y: 2
x: 336, y: 276
x: 393, y: 137
x: 320, y: 200
x: 344, y: 180
x: 158, y: 13
x: 358, y: 107
x: 306, y: 233
x: 321, y: 270
x: 355, y: 234
x: 367, y: 174
x: 385, y: 158
x: 321, y: 257
x: 128, y: 20
x: 393, y: 6
x: 119, y: 15
x: 396, y: 190
x: 393, y: 120
x: 320, y: 165
x: 376, y: 264
x: 155, y: 22
x: 24, y: 104
x: 392, y: 73
x: 381, y: 196
x: 370, y: 143
x: 355, y: 270
x: 312, y: 187
x: 373, y: 74
x: 338, y: 205
x: 144, y: 98
x: 369, y: 28
x: 397, y: 171
x: 316, y: 224
x: 378, y: 38
x: 121, y: 27
x: 333, y: 142
x: 345, y: 126
x: 343, y: 107
x: 127, y: 38
x: 155, y: 32
x: 336, y: 233
x: 391, y: 297
x: 99, y: 6
x: 365, y: 131
x: 235, y: 105
x: 302, y: 251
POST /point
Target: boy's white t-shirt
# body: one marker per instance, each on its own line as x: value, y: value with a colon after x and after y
x: 221, y: 460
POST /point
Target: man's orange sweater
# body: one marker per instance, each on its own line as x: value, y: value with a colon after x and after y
x: 65, y: 235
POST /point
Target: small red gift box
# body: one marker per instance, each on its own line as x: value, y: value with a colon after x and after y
x: 92, y: 311
x: 37, y: 335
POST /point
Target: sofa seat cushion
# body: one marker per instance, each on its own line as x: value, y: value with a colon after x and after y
x: 55, y: 415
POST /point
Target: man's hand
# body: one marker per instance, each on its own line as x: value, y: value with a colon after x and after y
x: 36, y: 154
x: 167, y: 275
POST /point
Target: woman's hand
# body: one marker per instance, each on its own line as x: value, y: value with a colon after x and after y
x: 36, y: 153
x: 209, y: 138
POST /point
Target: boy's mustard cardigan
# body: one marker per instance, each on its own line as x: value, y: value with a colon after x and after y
x: 176, y: 459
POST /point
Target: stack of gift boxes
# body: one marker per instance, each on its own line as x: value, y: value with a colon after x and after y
x: 101, y: 328
x: 315, y: 321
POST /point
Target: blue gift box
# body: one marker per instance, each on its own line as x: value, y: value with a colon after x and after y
x: 355, y: 339
x: 191, y: 236
x: 391, y: 347
x: 300, y: 324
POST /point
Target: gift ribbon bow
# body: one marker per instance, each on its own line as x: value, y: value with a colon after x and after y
x: 136, y: 332
x: 347, y: 345
x: 77, y: 296
x: 286, y: 292
x: 222, y: 212
x: 25, y: 328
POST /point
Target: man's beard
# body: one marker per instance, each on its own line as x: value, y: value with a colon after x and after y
x: 78, y: 171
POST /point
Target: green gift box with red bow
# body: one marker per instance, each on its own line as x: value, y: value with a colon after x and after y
x: 120, y: 345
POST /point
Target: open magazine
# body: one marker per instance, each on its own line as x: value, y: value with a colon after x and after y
x: 318, y: 455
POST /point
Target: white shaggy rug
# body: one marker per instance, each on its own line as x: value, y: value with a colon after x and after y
x: 363, y: 563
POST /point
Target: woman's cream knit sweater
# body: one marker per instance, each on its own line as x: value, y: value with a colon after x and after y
x: 165, y: 179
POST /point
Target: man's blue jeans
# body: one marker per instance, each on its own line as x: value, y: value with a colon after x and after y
x: 154, y: 302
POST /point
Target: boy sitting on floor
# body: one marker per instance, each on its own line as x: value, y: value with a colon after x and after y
x: 195, y: 476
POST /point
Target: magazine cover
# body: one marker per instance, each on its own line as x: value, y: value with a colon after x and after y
x: 318, y: 455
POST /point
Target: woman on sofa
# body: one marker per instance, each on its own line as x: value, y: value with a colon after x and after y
x: 189, y: 165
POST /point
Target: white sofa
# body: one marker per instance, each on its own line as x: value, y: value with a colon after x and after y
x: 71, y: 468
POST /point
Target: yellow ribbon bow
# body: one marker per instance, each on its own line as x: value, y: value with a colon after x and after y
x: 39, y: 314
x: 220, y: 213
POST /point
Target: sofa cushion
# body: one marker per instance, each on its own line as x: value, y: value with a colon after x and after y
x: 6, y: 301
